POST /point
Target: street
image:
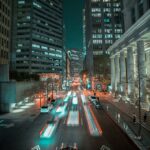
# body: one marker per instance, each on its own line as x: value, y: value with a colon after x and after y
x: 25, y: 136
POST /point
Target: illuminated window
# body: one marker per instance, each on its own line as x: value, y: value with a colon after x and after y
x: 18, y: 50
x: 107, y: 36
x: 37, y: 5
x: 21, y: 2
x: 44, y: 47
x: 106, y: 0
x: 28, y: 17
x: 35, y: 46
x: 20, y: 45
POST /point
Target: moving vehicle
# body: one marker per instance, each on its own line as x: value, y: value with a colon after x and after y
x: 49, y: 129
x: 46, y: 109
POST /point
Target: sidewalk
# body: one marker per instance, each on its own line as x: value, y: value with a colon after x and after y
x: 29, y: 110
x: 121, y: 113
x: 129, y: 109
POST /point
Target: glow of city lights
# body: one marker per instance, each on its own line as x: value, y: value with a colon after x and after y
x: 73, y: 118
x: 48, y: 130
x: 94, y: 128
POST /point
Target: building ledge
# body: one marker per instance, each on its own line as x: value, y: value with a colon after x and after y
x: 137, y: 25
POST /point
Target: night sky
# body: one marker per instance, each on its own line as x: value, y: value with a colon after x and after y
x: 73, y: 23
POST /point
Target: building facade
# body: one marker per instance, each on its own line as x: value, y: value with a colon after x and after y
x: 130, y: 55
x: 7, y: 87
x: 76, y: 62
x: 104, y: 19
x: 5, y: 26
x: 37, y: 45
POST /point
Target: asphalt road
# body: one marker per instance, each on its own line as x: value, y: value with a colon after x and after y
x: 26, y: 135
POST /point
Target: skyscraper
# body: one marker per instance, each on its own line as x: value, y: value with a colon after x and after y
x: 104, y: 19
x: 5, y: 22
x: 37, y: 36
x: 76, y: 61
x: 7, y: 87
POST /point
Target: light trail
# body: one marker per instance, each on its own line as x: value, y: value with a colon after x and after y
x: 73, y: 118
x: 48, y: 130
x: 93, y: 125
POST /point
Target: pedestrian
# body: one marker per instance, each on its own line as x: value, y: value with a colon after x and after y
x: 145, y: 117
x: 134, y: 118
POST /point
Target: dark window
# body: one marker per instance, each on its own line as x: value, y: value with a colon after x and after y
x: 133, y: 15
x: 140, y: 8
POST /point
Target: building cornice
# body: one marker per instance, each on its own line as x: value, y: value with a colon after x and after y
x: 138, y: 24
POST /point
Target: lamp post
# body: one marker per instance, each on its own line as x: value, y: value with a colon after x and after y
x: 139, y: 102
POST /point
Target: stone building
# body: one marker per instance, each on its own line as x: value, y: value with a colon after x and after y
x: 130, y: 55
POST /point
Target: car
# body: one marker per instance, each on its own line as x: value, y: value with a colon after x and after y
x: 46, y: 108
x: 92, y: 98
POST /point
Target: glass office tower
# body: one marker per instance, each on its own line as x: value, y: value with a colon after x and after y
x: 37, y: 36
x: 107, y: 26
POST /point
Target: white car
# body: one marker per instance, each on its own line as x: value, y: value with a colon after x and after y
x: 45, y: 109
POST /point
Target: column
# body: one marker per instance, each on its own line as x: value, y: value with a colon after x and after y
x: 148, y: 63
x: 112, y: 74
x: 123, y: 72
x: 130, y: 70
x: 141, y: 68
x: 117, y: 73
